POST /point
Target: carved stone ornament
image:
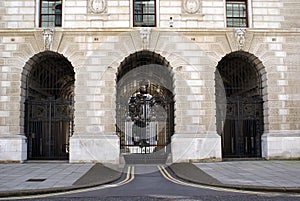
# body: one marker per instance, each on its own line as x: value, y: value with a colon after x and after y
x: 97, y: 6
x: 48, y: 38
x: 240, y: 36
x: 191, y: 6
x: 145, y: 36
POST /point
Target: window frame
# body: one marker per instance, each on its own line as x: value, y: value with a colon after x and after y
x: 134, y: 15
x: 55, y: 14
x: 246, y: 18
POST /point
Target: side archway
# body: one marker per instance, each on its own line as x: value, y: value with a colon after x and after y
x: 239, y: 99
x: 48, y: 91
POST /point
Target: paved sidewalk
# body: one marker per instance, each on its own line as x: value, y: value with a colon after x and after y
x: 33, y: 178
x: 252, y: 175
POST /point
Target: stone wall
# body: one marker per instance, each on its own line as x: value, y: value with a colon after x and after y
x: 268, y: 14
x: 193, y: 55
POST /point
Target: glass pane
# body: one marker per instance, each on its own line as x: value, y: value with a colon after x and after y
x: 243, y: 24
x: 229, y: 13
x: 44, y: 11
x: 242, y: 6
x: 236, y: 13
x: 45, y: 3
x: 44, y: 24
x: 236, y: 23
x: 51, y: 24
x: 138, y: 18
x: 229, y: 23
x: 235, y: 6
x: 51, y: 18
x: 45, y: 18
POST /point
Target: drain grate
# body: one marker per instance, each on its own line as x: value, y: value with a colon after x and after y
x: 36, y: 180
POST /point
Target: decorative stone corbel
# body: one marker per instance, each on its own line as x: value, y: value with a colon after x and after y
x: 240, y: 36
x: 145, y: 36
x: 48, y: 38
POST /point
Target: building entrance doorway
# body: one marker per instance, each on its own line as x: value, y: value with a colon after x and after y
x: 145, y: 107
x: 49, y: 106
x: 240, y: 112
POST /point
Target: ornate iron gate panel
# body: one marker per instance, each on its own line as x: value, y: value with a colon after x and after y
x: 243, y: 127
x: 49, y: 124
x: 145, y: 123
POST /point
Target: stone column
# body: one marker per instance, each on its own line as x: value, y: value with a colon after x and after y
x: 13, y: 144
x: 95, y: 138
x: 195, y: 137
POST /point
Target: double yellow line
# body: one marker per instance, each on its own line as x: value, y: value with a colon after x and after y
x: 129, y: 177
x: 169, y: 177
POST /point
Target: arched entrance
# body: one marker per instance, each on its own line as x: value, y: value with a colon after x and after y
x: 49, y: 106
x: 145, y: 106
x: 240, y: 114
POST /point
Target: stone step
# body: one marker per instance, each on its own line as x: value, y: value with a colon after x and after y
x: 151, y: 158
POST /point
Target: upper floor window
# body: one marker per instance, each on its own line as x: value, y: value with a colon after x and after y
x: 50, y: 13
x: 236, y: 13
x: 144, y: 13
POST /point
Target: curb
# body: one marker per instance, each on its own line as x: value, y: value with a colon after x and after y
x: 179, y: 169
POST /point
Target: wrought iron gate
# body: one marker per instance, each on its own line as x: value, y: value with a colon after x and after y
x: 243, y: 127
x: 145, y: 123
x: 49, y: 124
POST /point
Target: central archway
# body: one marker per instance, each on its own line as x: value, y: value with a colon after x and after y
x: 145, y: 106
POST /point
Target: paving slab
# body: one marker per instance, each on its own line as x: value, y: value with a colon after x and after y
x: 35, y: 178
x: 282, y: 176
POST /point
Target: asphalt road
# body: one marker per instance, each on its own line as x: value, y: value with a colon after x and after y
x: 149, y: 183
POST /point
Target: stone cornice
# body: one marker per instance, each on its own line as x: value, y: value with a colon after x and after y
x: 180, y: 30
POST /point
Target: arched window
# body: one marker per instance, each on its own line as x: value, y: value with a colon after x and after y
x: 50, y: 13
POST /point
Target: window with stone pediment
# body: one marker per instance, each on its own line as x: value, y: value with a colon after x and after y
x: 236, y: 13
x: 144, y: 13
x: 50, y: 13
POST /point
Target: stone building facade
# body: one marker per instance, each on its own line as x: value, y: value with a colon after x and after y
x: 68, y: 70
